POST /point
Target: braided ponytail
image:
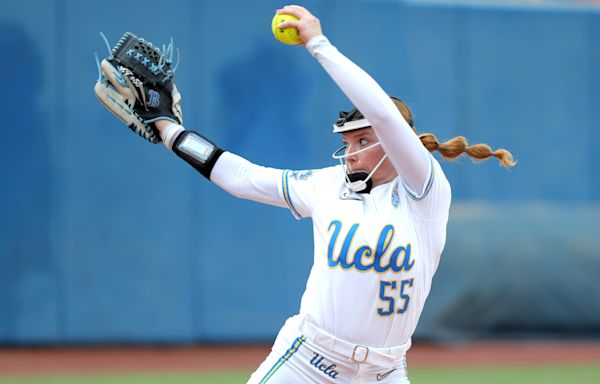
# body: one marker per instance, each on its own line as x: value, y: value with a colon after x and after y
x: 456, y: 146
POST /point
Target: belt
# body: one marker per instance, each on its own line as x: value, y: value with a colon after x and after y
x: 384, y: 357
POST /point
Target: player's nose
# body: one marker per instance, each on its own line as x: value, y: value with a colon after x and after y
x: 352, y: 160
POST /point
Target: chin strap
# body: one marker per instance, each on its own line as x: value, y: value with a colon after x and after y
x: 361, y: 181
x: 357, y: 181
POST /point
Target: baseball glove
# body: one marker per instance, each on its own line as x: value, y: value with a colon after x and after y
x: 135, y: 83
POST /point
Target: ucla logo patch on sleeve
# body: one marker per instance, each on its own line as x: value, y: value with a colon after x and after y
x: 395, y: 199
x: 300, y: 175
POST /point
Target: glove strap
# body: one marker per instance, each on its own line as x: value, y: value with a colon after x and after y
x: 198, y: 151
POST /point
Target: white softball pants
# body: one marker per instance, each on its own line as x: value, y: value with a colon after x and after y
x: 304, y: 354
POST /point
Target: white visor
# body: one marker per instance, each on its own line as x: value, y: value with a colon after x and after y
x: 351, y: 125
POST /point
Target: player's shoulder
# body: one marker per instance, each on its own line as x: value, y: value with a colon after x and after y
x: 438, y: 174
x: 322, y: 175
x: 434, y: 203
x: 322, y: 182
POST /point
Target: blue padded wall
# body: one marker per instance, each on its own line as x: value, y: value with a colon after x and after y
x: 105, y: 238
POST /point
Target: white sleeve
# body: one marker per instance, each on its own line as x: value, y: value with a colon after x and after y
x: 406, y: 152
x: 246, y: 180
x: 281, y: 188
x: 435, y: 204
x: 303, y: 190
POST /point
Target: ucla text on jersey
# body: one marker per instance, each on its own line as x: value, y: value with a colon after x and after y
x: 364, y: 258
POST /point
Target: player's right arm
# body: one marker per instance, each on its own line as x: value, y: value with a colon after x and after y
x: 404, y: 149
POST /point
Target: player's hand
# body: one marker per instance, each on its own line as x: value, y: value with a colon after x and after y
x: 308, y: 25
x: 162, y: 124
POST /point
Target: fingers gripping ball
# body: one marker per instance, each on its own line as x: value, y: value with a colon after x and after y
x: 288, y: 36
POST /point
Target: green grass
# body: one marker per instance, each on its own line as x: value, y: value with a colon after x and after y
x: 583, y: 374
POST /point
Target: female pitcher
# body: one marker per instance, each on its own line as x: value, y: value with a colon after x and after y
x: 379, y: 224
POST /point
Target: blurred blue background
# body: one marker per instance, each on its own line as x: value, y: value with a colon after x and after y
x: 107, y: 239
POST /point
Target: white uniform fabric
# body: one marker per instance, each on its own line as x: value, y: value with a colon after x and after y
x: 297, y: 358
x: 358, y: 234
x: 375, y: 254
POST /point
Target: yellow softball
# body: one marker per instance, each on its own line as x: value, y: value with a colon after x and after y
x: 288, y: 36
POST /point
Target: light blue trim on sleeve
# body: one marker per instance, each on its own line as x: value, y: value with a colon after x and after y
x: 286, y: 194
x: 428, y: 185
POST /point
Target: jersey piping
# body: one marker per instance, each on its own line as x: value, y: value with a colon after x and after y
x: 286, y: 194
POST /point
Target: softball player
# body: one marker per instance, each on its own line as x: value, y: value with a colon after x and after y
x: 379, y: 222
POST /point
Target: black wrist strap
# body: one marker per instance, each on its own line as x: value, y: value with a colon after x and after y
x: 198, y: 151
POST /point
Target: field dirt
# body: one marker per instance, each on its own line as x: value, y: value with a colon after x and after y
x: 203, y: 358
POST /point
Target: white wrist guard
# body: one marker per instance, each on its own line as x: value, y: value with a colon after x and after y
x: 170, y: 133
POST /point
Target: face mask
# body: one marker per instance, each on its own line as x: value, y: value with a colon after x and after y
x: 357, y: 181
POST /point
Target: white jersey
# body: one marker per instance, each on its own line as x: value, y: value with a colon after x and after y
x: 375, y: 254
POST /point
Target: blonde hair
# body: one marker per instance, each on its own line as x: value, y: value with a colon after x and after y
x: 455, y: 147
